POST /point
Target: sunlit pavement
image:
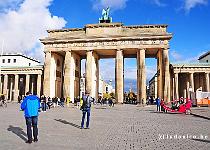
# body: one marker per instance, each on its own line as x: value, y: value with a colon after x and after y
x: 121, y: 127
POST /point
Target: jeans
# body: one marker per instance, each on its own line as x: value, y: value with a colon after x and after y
x: 32, y: 122
x: 83, y: 118
x: 158, y: 107
x: 44, y: 106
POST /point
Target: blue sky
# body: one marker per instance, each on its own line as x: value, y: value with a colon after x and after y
x: 24, y: 22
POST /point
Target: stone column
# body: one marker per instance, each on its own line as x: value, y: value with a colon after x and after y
x: 173, y: 89
x: 192, y: 81
x: 46, y: 83
x: 91, y: 73
x: 141, y: 76
x: 177, y: 86
x: 0, y: 83
x: 185, y: 93
x: 39, y: 80
x: 11, y: 88
x: 166, y: 75
x: 207, y: 82
x: 32, y: 84
x: 119, y: 81
x: 27, y: 83
x: 67, y: 74
x: 5, y: 90
x: 97, y: 77
x: 16, y: 90
x: 159, y: 75
x: 188, y: 92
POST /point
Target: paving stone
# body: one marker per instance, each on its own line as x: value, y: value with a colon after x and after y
x: 124, y: 127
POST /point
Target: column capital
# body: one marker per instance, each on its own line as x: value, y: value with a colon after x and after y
x: 68, y: 50
x: 142, y: 49
x: 89, y: 51
x: 47, y: 51
x: 166, y: 48
x: 119, y: 49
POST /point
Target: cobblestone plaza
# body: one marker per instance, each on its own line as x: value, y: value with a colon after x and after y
x: 122, y: 127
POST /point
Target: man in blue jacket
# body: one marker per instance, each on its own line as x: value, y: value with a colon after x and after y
x: 30, y: 106
x: 158, y: 104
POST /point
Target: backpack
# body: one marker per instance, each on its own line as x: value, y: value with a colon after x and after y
x: 86, y: 103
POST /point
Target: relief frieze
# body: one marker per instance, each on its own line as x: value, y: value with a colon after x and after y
x: 110, y: 43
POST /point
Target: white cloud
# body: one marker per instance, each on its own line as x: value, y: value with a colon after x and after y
x: 130, y: 73
x: 22, y: 28
x: 11, y: 4
x: 176, y: 56
x: 159, y: 3
x: 114, y: 4
x: 189, y: 4
x: 107, y: 68
x: 179, y: 58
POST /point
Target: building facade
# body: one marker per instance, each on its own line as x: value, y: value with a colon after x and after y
x: 153, y: 87
x: 187, y: 78
x: 205, y: 58
x: 19, y: 74
x: 65, y: 48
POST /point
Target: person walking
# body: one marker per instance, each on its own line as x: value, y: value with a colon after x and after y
x: 158, y: 104
x: 30, y: 106
x: 86, y: 106
x: 43, y: 103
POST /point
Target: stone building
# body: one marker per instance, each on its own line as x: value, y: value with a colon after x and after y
x: 205, y: 58
x: 186, y: 78
x: 104, y: 87
x: 65, y: 48
x: 19, y: 74
x: 153, y: 87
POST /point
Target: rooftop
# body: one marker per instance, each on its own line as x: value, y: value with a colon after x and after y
x: 19, y: 54
x: 192, y: 65
x: 204, y: 55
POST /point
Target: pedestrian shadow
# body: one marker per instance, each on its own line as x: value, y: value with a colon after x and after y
x: 165, y: 113
x: 202, y: 140
x: 18, y: 131
x: 200, y: 116
x: 66, y: 122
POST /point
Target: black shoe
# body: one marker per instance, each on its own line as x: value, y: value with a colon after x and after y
x: 29, y: 141
x: 35, y: 140
x: 87, y: 128
x: 81, y: 127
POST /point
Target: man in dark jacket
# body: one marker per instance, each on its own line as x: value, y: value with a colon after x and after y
x: 86, y: 105
x: 30, y: 106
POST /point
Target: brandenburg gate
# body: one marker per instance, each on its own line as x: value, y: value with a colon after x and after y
x: 65, y: 48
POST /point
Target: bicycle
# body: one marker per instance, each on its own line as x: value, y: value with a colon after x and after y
x: 3, y: 104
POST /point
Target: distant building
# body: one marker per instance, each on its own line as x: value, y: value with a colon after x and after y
x: 104, y: 87
x: 153, y: 87
x: 205, y: 58
x: 187, y: 78
x: 15, y: 60
x: 19, y: 74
